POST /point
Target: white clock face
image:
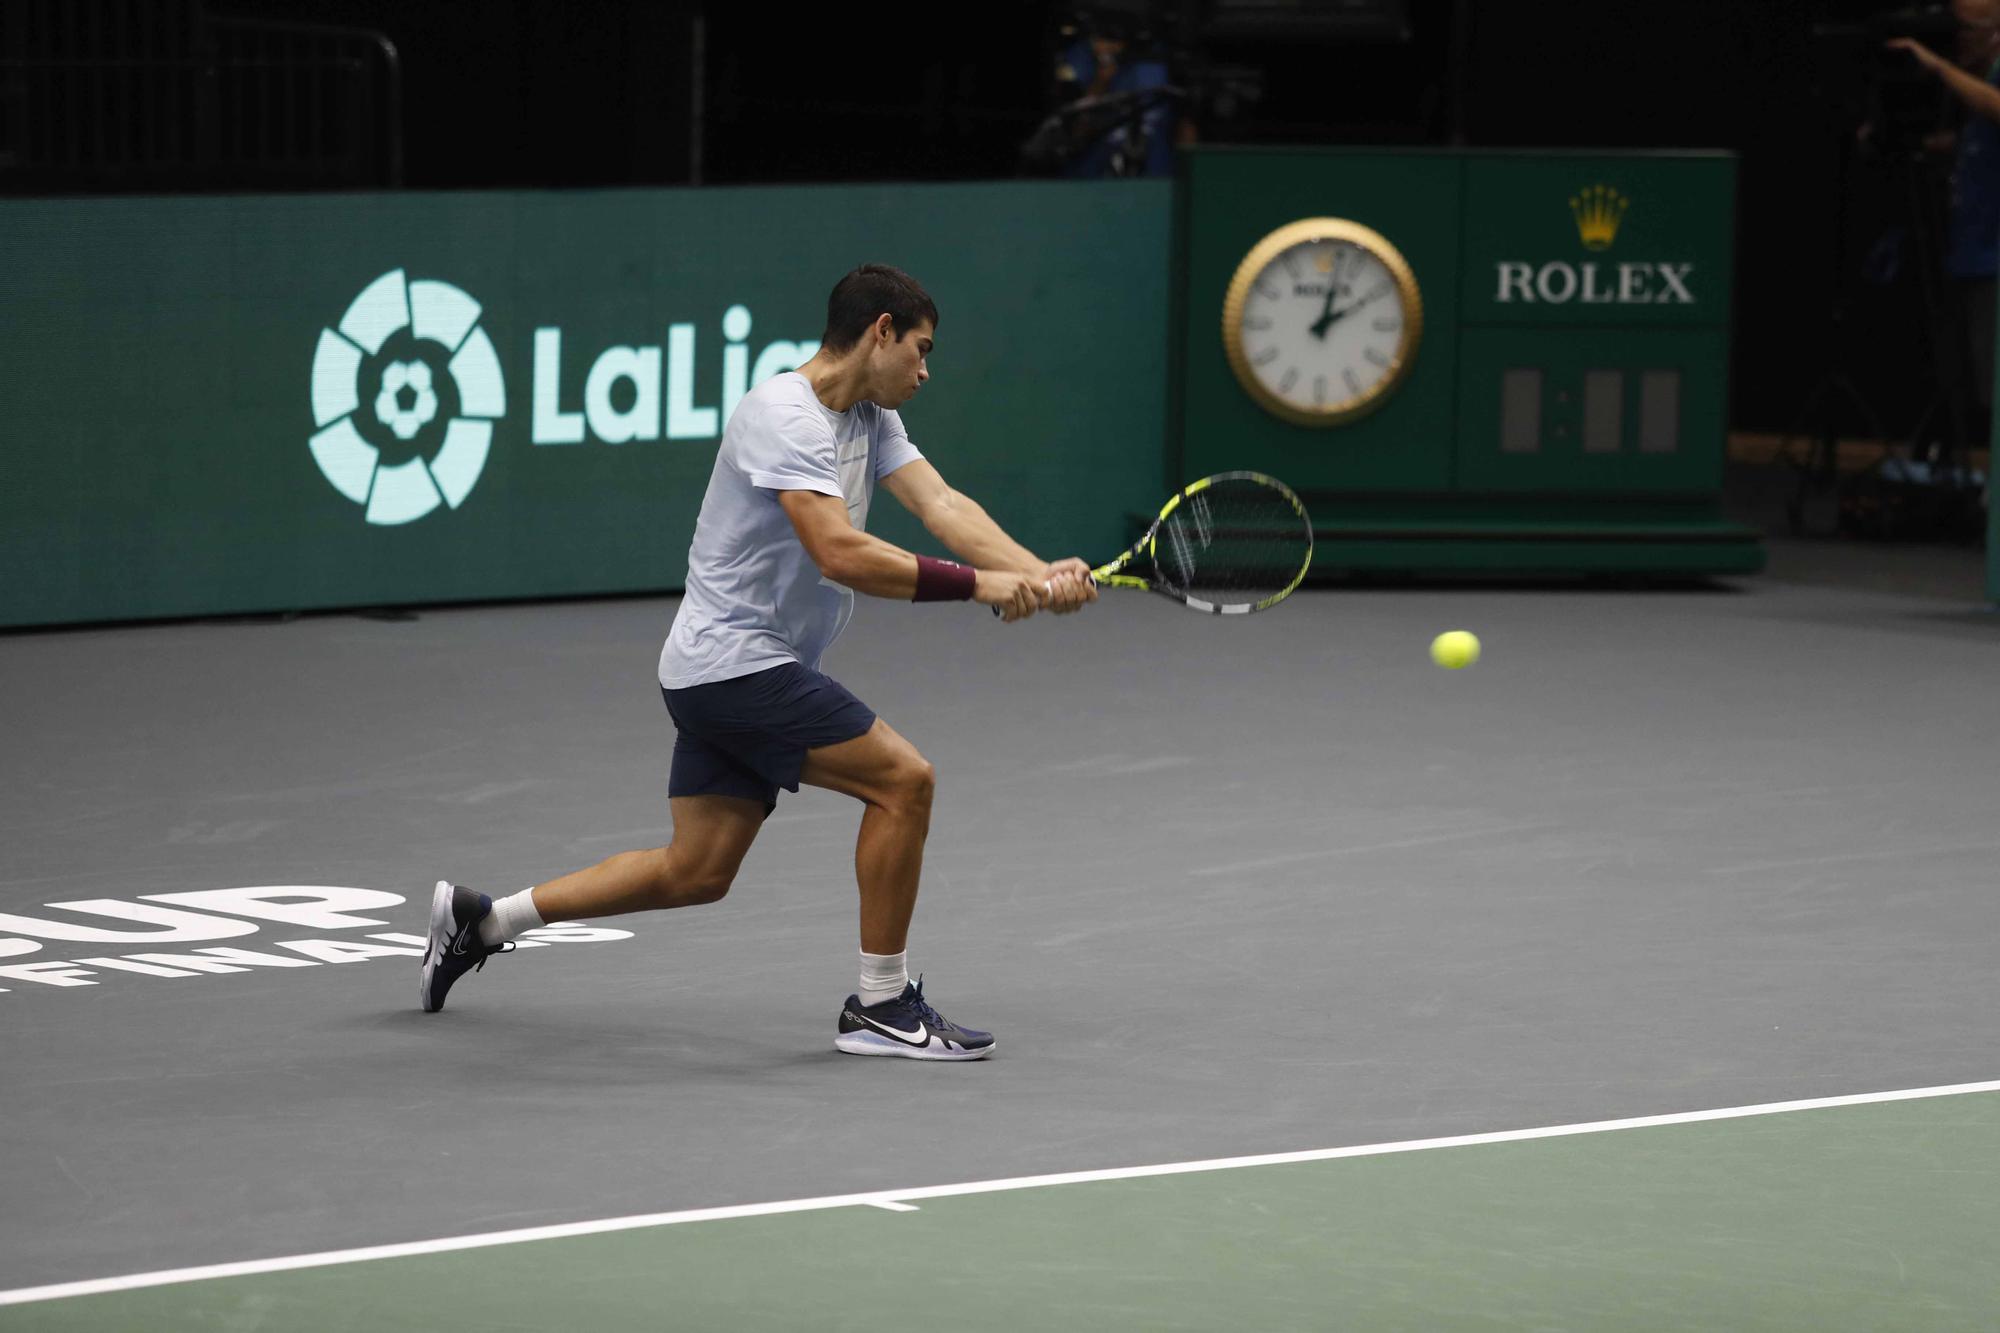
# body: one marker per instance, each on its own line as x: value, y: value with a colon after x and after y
x: 1323, y: 326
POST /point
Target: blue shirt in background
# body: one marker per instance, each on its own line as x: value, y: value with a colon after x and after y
x: 1972, y: 249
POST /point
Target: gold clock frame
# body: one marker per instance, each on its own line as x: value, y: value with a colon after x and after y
x: 1260, y: 257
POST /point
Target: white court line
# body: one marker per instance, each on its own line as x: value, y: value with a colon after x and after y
x: 891, y: 1198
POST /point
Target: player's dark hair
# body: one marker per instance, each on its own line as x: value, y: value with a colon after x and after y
x: 865, y: 295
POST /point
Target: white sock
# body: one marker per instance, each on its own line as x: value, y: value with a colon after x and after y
x: 510, y: 916
x: 883, y: 976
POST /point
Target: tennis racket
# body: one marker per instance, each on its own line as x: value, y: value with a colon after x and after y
x: 1229, y: 544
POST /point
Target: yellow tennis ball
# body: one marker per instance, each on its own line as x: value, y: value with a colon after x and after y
x: 1454, y: 650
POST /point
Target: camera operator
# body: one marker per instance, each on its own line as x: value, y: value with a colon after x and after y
x: 1972, y: 256
x: 1123, y: 111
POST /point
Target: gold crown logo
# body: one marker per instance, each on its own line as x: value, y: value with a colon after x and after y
x: 1598, y: 211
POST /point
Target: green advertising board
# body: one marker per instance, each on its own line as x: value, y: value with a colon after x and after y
x: 1565, y: 406
x: 244, y: 404
x: 1595, y: 343
x: 1236, y: 196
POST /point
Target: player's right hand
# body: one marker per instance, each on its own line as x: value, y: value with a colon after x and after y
x: 1016, y: 595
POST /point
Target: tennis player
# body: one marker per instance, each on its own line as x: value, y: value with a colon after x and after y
x: 779, y: 551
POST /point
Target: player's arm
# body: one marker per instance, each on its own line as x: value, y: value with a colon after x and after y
x: 958, y: 521
x: 854, y: 559
x: 970, y: 533
x: 1977, y: 94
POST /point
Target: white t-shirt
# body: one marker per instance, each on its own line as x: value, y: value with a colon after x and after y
x: 754, y: 597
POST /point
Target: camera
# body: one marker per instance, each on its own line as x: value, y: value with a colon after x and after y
x: 1159, y: 88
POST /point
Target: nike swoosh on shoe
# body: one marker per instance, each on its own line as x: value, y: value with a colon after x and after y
x: 921, y: 1036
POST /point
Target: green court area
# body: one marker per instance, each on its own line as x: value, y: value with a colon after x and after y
x: 1879, y: 1216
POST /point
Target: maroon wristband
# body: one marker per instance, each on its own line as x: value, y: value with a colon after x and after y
x: 944, y: 580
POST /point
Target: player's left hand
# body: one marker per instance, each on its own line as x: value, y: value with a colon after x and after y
x: 1069, y: 586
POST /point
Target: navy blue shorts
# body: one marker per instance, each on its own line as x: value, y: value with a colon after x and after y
x: 749, y: 736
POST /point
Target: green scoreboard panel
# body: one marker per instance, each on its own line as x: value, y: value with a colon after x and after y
x: 1564, y: 407
x: 223, y: 404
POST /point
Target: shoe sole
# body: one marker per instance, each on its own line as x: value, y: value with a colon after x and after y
x: 433, y: 951
x: 863, y: 1042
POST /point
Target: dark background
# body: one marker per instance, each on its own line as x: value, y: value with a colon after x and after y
x: 600, y: 93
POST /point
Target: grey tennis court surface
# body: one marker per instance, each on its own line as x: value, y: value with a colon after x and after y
x: 1220, y: 888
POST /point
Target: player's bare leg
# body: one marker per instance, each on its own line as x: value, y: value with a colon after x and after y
x: 885, y: 771
x: 896, y: 784
x: 711, y: 836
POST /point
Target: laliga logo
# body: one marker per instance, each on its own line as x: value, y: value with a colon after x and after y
x: 405, y: 392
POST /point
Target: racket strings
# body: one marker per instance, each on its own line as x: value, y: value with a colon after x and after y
x: 1237, y: 542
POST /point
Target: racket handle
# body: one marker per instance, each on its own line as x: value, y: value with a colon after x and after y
x: 1048, y: 590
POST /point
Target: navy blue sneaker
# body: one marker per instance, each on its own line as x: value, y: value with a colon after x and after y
x: 455, y: 947
x: 908, y: 1027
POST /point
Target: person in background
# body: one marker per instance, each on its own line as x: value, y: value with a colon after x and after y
x: 1134, y: 133
x: 1972, y: 248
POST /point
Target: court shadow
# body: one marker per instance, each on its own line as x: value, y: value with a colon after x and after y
x: 503, y: 1044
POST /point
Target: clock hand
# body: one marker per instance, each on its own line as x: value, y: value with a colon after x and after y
x: 1378, y: 292
x: 1333, y: 317
x: 1327, y: 316
x: 1350, y: 309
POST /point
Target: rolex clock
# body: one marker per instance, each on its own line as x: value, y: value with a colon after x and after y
x: 1321, y: 321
